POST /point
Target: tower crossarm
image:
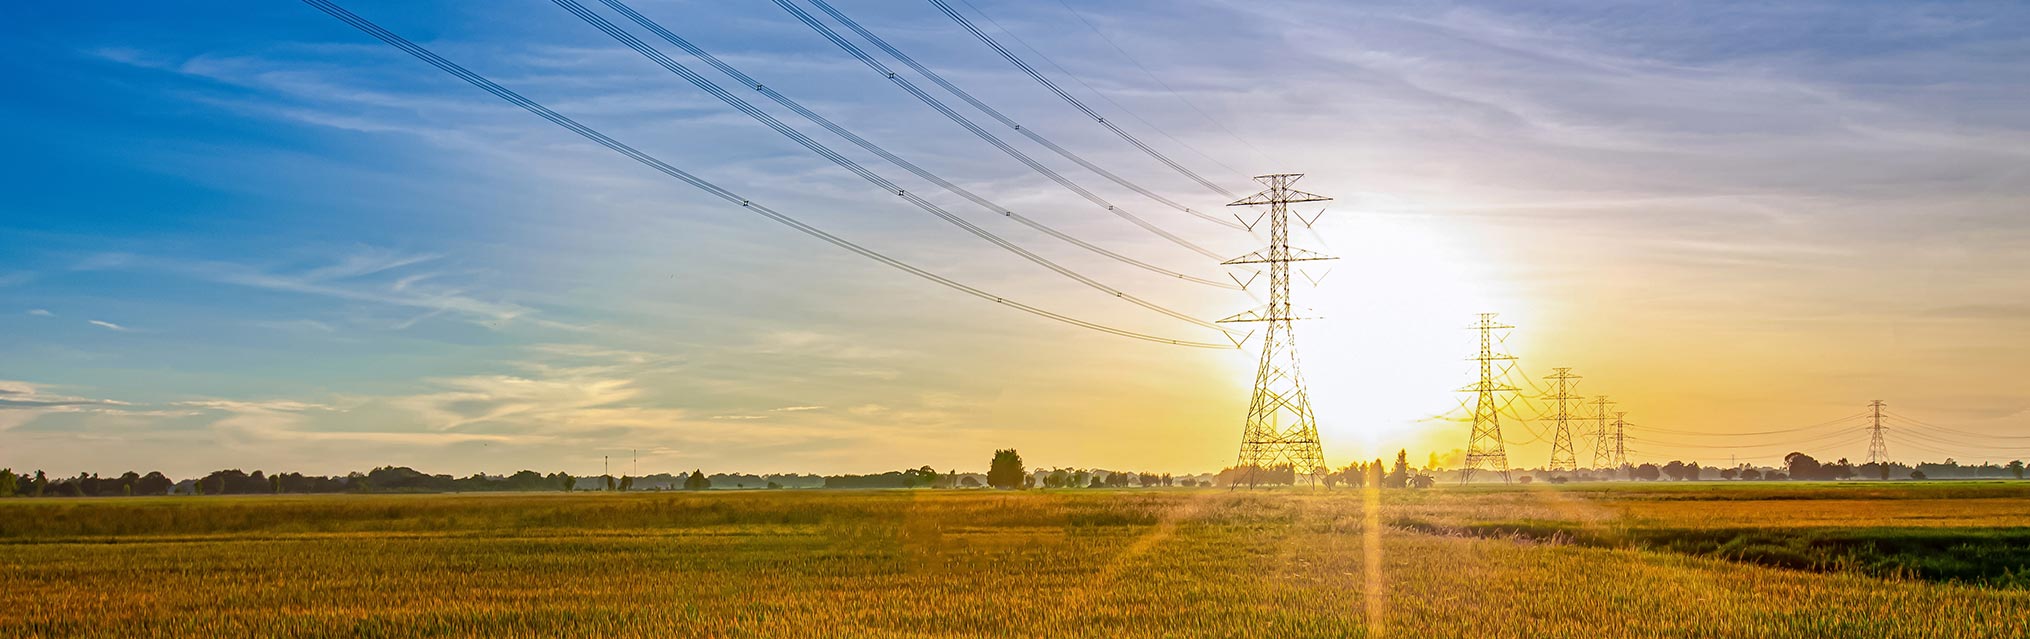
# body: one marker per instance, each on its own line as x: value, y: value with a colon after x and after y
x: 1290, y: 254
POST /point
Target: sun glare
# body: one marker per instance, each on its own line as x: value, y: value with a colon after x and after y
x: 1391, y: 349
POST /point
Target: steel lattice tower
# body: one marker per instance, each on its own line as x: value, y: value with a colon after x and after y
x: 1281, y: 429
x: 1563, y: 458
x: 1486, y: 447
x: 1878, y: 449
x: 1601, y: 458
x: 1620, y: 440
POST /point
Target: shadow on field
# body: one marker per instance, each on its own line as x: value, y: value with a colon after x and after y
x: 1992, y: 557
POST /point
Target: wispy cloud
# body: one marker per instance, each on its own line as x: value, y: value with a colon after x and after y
x: 345, y: 280
x: 41, y: 312
x: 796, y: 409
x: 296, y: 325
x: 22, y: 402
x: 276, y: 405
x: 109, y: 326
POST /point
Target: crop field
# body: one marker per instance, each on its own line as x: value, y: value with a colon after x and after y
x: 1932, y: 559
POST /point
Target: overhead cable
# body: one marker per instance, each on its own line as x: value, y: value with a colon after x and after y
x: 979, y: 132
x: 748, y: 81
x: 1095, y: 115
x: 602, y: 139
x: 844, y: 162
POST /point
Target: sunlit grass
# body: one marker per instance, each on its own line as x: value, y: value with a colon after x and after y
x: 1181, y: 563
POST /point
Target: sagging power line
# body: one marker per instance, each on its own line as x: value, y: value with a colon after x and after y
x: 749, y: 81
x: 728, y: 196
x: 1067, y: 97
x: 856, y: 168
x: 977, y: 131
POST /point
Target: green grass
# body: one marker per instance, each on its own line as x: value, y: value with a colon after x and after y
x: 1571, y: 561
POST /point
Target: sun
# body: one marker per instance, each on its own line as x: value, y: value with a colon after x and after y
x: 1390, y: 350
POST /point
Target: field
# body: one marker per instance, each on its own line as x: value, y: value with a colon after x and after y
x: 1737, y: 560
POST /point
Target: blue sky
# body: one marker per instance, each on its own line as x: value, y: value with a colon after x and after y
x: 250, y: 236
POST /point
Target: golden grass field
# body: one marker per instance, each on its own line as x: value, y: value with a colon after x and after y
x: 1573, y: 561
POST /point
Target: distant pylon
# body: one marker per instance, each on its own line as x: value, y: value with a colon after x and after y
x: 1878, y: 449
x: 1563, y: 458
x: 1620, y: 440
x: 1601, y: 457
x: 1281, y: 429
x: 1485, y: 446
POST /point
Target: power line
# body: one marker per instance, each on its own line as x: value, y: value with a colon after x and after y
x: 1936, y: 438
x: 836, y: 129
x: 1843, y: 436
x: 1145, y: 71
x: 1780, y: 431
x: 1095, y: 115
x: 814, y: 146
x: 934, y: 103
x: 589, y: 133
x: 1950, y: 430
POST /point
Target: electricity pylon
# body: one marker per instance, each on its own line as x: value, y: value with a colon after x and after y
x: 1563, y: 458
x: 1281, y: 429
x: 1878, y: 449
x: 1620, y: 440
x: 1485, y: 447
x: 1601, y: 458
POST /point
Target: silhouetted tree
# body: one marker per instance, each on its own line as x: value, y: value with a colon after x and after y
x: 1917, y: 474
x: 570, y: 483
x: 7, y: 482
x: 2016, y: 468
x: 1674, y: 470
x: 1801, y: 466
x: 1646, y: 472
x: 697, y: 481
x: 1399, y: 476
x: 1005, y: 471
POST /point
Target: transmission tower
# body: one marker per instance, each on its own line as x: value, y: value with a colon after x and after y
x: 1485, y: 447
x: 1601, y: 458
x: 1281, y: 429
x: 1878, y: 449
x: 1620, y: 440
x: 1563, y: 458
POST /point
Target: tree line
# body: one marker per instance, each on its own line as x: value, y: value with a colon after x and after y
x: 402, y: 479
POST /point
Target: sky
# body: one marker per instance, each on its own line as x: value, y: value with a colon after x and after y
x: 246, y: 235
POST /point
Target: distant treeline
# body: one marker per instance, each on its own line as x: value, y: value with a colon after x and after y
x: 401, y: 479
x: 1796, y: 466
